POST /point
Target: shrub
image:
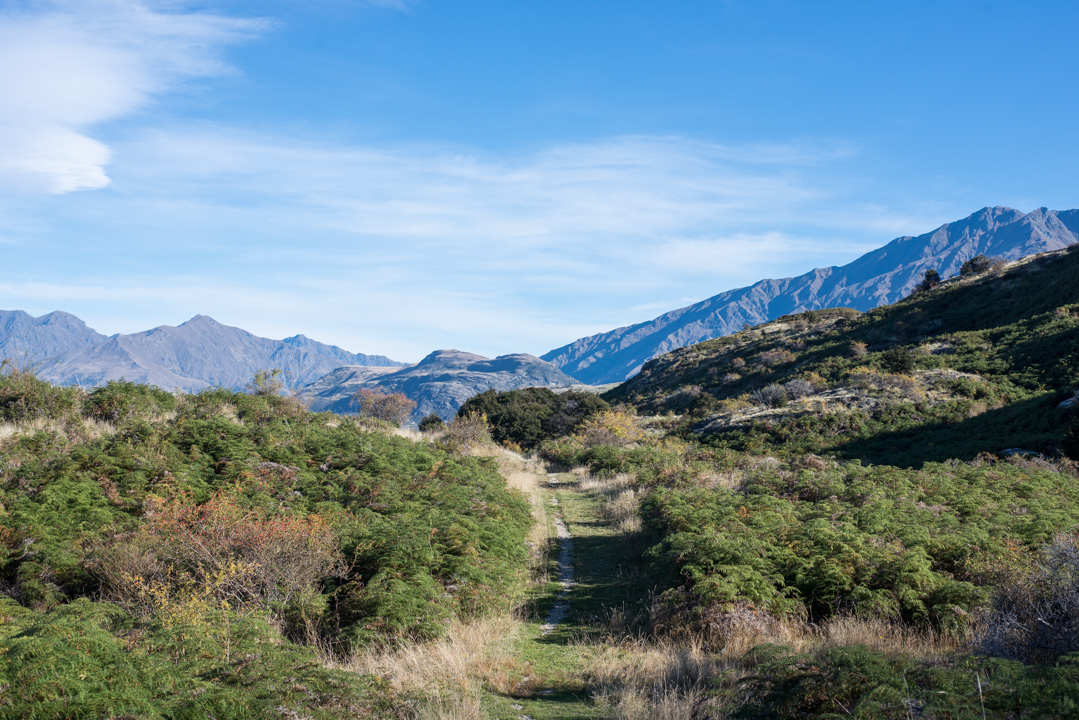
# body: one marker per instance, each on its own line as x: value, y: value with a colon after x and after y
x: 390, y: 407
x: 193, y: 558
x: 25, y: 397
x: 977, y: 264
x: 898, y: 361
x: 432, y: 422
x: 930, y: 280
x: 616, y: 428
x: 117, y: 400
x: 527, y: 416
x: 1034, y: 616
x: 799, y: 388
x: 772, y: 358
x: 769, y: 396
x: 466, y: 432
x: 267, y: 382
x: 858, y: 349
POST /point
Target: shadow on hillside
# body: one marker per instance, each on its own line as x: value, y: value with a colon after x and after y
x: 1033, y: 424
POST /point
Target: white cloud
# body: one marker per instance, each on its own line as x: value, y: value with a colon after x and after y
x: 68, y: 65
x: 423, y: 245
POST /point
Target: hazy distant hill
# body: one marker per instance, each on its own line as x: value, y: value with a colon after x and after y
x: 33, y: 339
x: 877, y: 278
x: 439, y: 383
x: 199, y: 353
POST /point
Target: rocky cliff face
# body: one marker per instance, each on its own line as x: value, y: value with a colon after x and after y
x: 199, y: 353
x: 440, y: 383
x: 877, y: 278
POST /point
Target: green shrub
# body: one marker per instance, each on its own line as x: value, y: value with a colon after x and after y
x: 24, y: 397
x: 898, y: 361
x: 861, y: 683
x: 528, y: 416
x: 431, y: 422
x: 118, y: 400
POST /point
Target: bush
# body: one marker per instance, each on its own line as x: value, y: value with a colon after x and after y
x: 898, y: 361
x: 1034, y: 616
x: 611, y: 428
x: 930, y: 280
x: 190, y: 560
x: 977, y: 264
x: 465, y: 433
x: 432, y: 422
x: 117, y: 400
x: 389, y: 407
x: 769, y: 396
x: 24, y: 397
x: 527, y: 416
x: 267, y: 382
x: 799, y: 388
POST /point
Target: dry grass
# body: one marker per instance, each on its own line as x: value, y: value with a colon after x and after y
x: 669, y: 677
x: 447, y: 676
x: 81, y: 430
x: 639, y: 679
x: 619, y: 501
x: 889, y: 637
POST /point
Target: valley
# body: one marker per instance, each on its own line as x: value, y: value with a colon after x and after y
x: 833, y: 513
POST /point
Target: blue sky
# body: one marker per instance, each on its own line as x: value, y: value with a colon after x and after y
x: 500, y: 176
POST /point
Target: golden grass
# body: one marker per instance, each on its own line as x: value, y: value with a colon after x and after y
x: 619, y: 501
x: 640, y: 679
x: 889, y: 637
x: 85, y: 429
x: 447, y: 676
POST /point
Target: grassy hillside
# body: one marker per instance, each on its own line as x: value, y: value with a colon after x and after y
x: 153, y: 542
x: 975, y: 365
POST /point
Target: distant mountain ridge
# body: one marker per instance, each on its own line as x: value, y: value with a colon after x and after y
x: 879, y: 277
x: 197, y: 354
x: 440, y: 383
x: 23, y: 336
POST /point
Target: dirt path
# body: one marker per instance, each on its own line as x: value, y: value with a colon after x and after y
x: 566, y: 572
x: 594, y: 574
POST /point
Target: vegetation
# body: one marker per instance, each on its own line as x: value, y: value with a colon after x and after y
x: 938, y: 376
x: 835, y: 514
x: 525, y: 417
x: 393, y: 408
x: 213, y: 535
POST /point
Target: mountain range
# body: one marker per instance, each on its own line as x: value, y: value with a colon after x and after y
x: 440, y: 383
x: 197, y: 354
x: 877, y: 278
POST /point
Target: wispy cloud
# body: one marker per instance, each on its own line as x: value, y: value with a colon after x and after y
x: 381, y: 248
x: 68, y: 65
x: 417, y: 246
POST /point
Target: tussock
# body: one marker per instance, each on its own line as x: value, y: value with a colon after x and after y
x: 447, y: 676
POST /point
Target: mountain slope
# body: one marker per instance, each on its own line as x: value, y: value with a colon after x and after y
x: 983, y: 363
x: 877, y: 278
x: 25, y: 338
x: 199, y: 353
x: 440, y: 383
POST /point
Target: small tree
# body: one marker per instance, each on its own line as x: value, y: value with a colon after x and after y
x: 390, y: 407
x: 977, y: 264
x: 267, y: 382
x: 898, y: 361
x: 432, y: 422
x: 930, y: 280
